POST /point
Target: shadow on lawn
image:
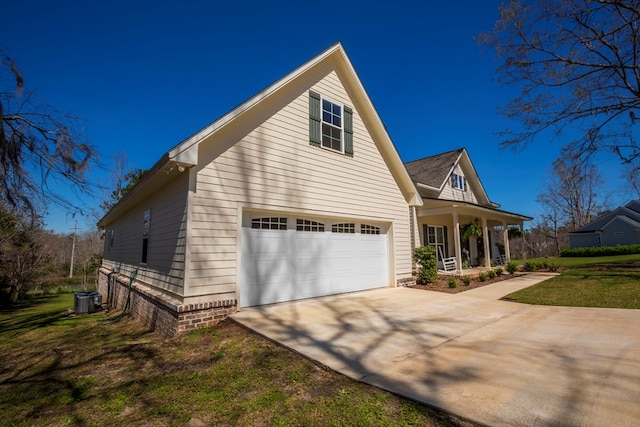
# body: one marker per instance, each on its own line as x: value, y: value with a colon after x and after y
x: 55, y: 362
x: 23, y: 320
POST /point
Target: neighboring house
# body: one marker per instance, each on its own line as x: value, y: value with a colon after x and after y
x: 296, y: 193
x: 453, y: 197
x: 620, y: 227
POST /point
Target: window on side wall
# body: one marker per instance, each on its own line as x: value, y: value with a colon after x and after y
x: 111, y: 238
x: 145, y: 236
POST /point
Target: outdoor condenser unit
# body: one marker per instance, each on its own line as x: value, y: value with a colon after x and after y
x: 87, y: 302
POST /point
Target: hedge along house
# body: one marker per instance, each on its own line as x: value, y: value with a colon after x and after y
x: 454, y: 199
x: 296, y: 193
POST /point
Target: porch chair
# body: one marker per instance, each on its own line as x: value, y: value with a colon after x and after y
x: 449, y: 264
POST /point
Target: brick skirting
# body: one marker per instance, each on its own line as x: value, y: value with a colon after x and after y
x: 156, y: 310
x: 407, y: 281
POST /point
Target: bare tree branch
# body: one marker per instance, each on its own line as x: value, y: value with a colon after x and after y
x: 575, y: 63
x: 38, y: 147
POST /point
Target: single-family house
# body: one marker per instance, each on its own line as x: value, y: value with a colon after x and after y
x: 296, y: 193
x: 620, y: 227
x: 454, y: 200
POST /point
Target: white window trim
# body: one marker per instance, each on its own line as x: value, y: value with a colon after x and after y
x: 439, y: 246
x: 459, y: 182
x: 341, y: 105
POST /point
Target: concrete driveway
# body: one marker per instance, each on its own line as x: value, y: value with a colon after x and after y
x: 492, y: 362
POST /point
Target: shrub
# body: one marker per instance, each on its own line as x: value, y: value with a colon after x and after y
x: 601, y: 251
x: 482, y: 276
x: 491, y: 274
x: 511, y: 267
x: 466, y: 280
x: 530, y: 266
x: 499, y: 271
x: 425, y: 257
x: 553, y: 267
x: 453, y: 283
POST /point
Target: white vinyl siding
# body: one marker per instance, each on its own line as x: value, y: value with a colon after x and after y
x: 166, y: 251
x: 274, y: 166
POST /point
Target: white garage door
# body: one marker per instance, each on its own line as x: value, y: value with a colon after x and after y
x: 286, y: 258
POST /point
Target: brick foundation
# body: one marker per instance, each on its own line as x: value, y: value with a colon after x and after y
x: 161, y: 313
x: 407, y: 281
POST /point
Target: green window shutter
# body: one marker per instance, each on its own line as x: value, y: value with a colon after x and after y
x: 314, y: 118
x: 348, y: 131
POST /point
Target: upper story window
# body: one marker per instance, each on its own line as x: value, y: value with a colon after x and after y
x: 458, y: 182
x: 330, y: 124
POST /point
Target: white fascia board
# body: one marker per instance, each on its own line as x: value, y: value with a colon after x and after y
x: 428, y: 187
x: 387, y: 147
x: 187, y: 151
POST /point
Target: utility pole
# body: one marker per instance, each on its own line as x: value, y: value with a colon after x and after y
x: 73, y: 249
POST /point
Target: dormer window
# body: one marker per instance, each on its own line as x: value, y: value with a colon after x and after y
x: 458, y: 182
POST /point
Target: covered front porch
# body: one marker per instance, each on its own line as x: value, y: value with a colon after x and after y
x: 477, y: 237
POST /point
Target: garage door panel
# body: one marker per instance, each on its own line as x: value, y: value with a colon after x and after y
x: 284, y: 265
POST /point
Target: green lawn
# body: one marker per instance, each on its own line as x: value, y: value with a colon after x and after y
x: 80, y: 370
x: 612, y: 282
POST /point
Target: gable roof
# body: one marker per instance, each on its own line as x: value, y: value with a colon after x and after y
x: 631, y: 211
x: 185, y: 154
x: 632, y: 222
x: 433, y: 172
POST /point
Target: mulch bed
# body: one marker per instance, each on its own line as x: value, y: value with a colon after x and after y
x: 441, y: 284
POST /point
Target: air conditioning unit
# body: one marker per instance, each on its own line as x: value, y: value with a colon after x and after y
x: 87, y: 302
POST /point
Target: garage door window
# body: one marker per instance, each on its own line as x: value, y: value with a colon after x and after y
x: 349, y: 228
x: 269, y: 223
x: 307, y: 225
x: 369, y: 229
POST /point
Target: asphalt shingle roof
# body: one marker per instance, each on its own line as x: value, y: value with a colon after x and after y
x: 631, y: 211
x: 433, y: 170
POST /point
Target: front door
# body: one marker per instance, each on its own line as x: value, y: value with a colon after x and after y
x: 435, y: 235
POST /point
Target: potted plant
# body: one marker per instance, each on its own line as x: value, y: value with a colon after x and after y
x: 471, y: 230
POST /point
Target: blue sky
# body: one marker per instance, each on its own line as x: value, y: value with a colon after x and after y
x: 145, y: 75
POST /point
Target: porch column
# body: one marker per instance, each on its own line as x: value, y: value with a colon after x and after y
x: 456, y: 242
x: 485, y: 240
x: 415, y: 232
x: 415, y: 236
x: 505, y: 235
x: 524, y: 243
